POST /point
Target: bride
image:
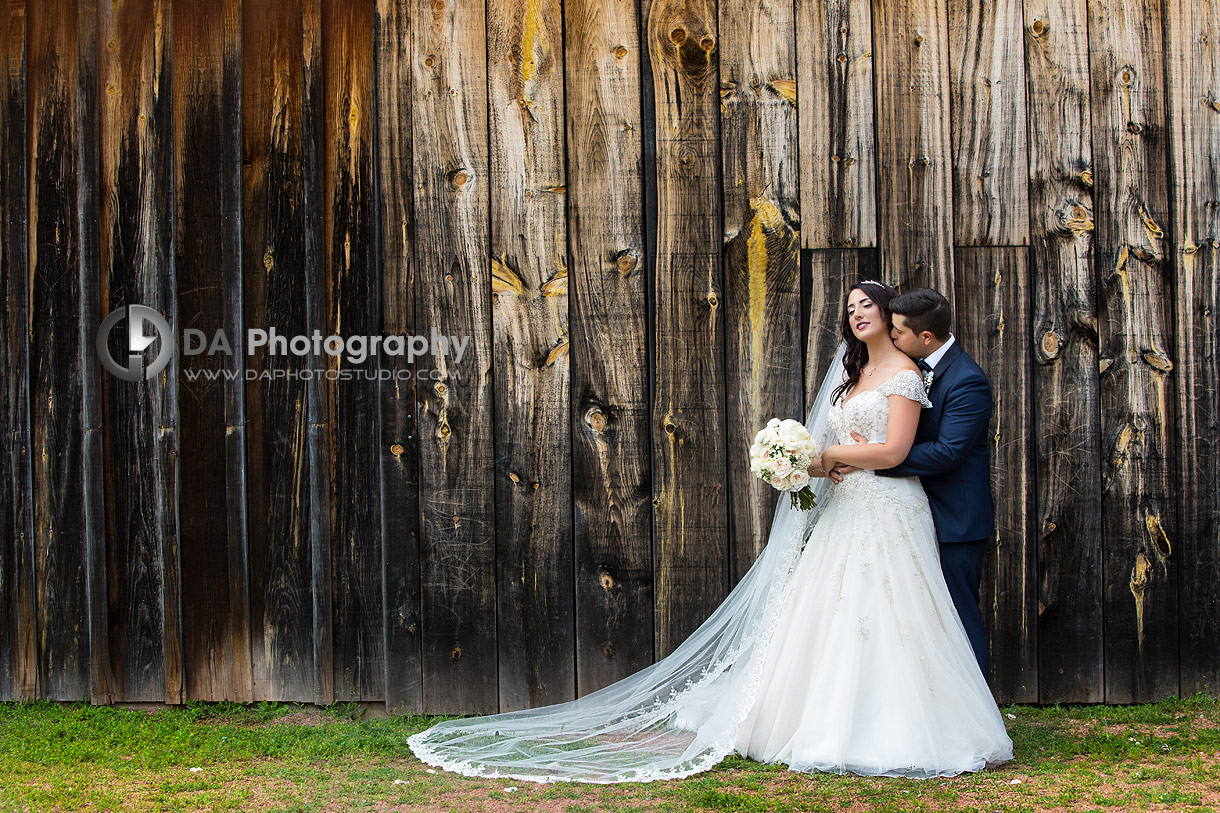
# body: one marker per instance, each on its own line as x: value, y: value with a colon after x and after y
x: 839, y: 650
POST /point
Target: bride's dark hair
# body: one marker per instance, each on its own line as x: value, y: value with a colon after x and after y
x: 855, y: 355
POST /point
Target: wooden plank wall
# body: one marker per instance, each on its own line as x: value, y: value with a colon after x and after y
x: 644, y: 217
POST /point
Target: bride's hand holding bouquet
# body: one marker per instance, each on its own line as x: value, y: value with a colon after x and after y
x: 782, y: 455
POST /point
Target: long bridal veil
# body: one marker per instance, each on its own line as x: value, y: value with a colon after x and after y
x: 674, y: 718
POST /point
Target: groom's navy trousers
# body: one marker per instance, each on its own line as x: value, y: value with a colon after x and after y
x: 950, y: 457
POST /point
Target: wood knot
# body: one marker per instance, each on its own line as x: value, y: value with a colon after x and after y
x: 712, y: 300
x: 678, y: 35
x: 620, y: 52
x: 1050, y: 344
x: 1039, y: 27
x: 608, y: 649
x: 429, y: 61
x: 440, y: 388
x: 918, y: 40
x: 626, y: 261
x: 396, y: 449
x: 1139, y: 574
x: 456, y: 654
x: 512, y: 475
x: 670, y: 428
x: 596, y: 420
x: 1134, y: 128
x: 1156, y: 533
x: 707, y: 44
x: 1158, y: 361
x: 459, y: 178
x: 607, y: 581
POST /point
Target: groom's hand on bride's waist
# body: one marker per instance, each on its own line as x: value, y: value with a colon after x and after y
x: 836, y: 474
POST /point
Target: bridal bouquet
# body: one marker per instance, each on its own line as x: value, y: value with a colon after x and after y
x: 780, y: 456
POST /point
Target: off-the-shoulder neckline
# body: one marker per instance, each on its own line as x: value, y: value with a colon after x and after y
x: 843, y: 404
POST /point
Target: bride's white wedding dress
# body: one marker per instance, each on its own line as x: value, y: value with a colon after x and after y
x: 839, y: 650
x: 870, y: 670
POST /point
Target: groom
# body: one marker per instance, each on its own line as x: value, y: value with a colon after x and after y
x: 949, y: 454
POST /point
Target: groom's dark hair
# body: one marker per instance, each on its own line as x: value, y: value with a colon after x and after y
x: 924, y: 309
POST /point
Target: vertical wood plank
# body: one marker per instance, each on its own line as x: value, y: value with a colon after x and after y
x: 1064, y: 329
x: 611, y: 444
x: 317, y: 389
x: 207, y: 261
x: 837, y: 146
x: 17, y: 663
x: 993, y: 289
x: 399, y: 449
x: 136, y: 131
x: 688, y: 418
x: 987, y: 86
x: 533, y: 478
x: 1135, y: 336
x: 353, y: 308
x: 276, y: 286
x: 53, y: 659
x: 457, y: 547
x: 914, y: 177
x: 761, y: 252
x: 101, y: 668
x: 1192, y: 72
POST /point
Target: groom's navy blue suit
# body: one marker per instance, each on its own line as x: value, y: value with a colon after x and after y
x: 949, y: 455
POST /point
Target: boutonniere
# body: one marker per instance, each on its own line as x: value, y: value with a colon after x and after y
x: 927, y: 380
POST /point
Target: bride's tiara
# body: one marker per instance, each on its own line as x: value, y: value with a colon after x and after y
x: 872, y: 282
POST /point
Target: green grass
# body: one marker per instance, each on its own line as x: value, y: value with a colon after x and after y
x: 1163, y: 756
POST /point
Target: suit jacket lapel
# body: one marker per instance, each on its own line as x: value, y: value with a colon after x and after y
x: 951, y: 355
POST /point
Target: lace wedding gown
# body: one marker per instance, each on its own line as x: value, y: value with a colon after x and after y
x: 870, y: 670
x: 839, y: 651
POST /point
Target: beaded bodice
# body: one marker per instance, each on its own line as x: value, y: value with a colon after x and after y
x: 868, y: 412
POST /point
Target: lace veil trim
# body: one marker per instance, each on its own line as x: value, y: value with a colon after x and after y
x: 679, y: 716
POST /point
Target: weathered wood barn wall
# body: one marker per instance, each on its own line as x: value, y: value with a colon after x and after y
x: 644, y: 216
